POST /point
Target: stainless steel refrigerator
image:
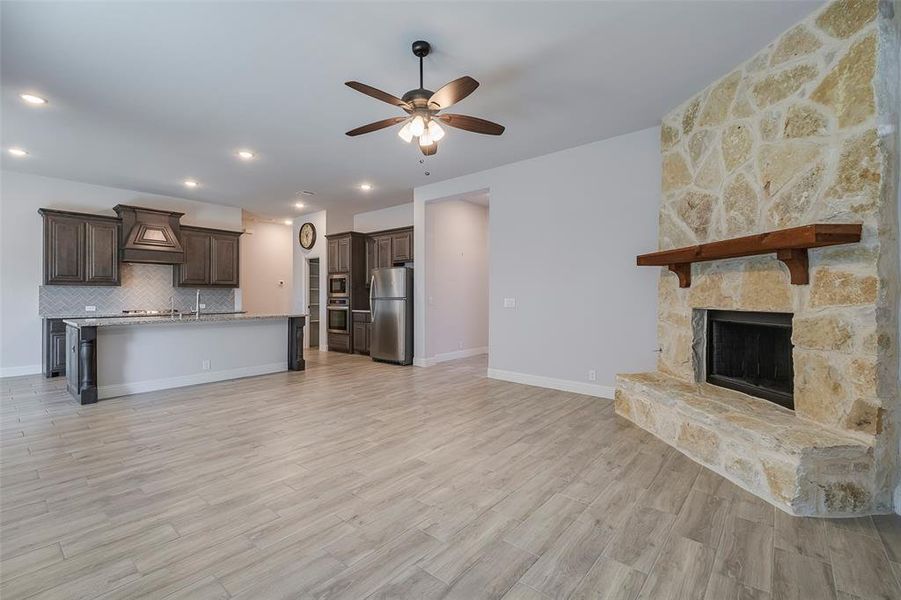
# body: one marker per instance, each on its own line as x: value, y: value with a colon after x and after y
x: 391, y: 305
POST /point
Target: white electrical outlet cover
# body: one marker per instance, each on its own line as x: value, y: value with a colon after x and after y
x: 90, y: 309
x: 203, y: 305
x: 509, y: 302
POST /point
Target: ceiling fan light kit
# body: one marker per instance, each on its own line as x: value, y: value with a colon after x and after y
x: 423, y: 106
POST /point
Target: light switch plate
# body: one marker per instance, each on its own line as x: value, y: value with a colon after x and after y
x: 509, y: 302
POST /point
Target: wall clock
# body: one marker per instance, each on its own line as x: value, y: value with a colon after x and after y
x: 307, y: 236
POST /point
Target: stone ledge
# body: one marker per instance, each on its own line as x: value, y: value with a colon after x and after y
x: 798, y: 465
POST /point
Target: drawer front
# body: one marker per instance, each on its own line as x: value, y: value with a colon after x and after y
x: 338, y: 342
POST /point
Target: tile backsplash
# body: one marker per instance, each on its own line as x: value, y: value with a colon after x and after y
x: 143, y: 287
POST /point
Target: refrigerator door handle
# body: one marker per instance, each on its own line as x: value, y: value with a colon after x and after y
x: 371, y: 307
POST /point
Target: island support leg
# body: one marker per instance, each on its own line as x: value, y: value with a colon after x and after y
x: 295, y: 344
x: 87, y: 365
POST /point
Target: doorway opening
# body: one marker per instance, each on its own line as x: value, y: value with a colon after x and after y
x: 456, y: 277
x: 313, y: 294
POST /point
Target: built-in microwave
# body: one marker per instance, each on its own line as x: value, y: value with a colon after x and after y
x: 338, y: 286
x: 338, y: 315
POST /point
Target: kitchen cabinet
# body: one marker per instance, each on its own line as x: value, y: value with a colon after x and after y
x: 212, y: 258
x: 224, y: 260
x: 402, y: 246
x: 392, y: 247
x: 339, y: 254
x: 101, y: 252
x: 54, y: 345
x: 80, y: 249
x: 361, y: 332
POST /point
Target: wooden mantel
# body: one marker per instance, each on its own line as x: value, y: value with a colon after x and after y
x: 790, y: 246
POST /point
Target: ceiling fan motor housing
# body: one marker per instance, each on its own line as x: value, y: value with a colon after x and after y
x: 421, y: 48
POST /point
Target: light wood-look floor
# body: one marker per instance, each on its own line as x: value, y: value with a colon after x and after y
x: 360, y: 480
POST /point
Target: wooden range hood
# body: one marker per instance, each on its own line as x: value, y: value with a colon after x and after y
x: 149, y: 235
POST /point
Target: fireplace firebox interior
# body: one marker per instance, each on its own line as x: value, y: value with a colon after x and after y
x: 751, y: 352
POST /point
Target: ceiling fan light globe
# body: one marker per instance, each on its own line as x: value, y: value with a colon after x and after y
x: 405, y: 133
x: 436, y: 132
x: 417, y: 126
x: 425, y: 139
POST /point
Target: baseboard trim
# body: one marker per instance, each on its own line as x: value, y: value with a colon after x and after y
x: 19, y: 371
x: 564, y: 385
x: 446, y: 356
x: 152, y: 385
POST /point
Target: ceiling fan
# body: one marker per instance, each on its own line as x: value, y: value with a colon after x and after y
x: 423, y: 106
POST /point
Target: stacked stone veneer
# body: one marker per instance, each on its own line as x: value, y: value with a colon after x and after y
x: 804, y: 132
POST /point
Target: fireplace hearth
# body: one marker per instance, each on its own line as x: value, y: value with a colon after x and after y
x: 751, y: 352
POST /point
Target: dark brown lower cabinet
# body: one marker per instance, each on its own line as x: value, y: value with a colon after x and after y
x: 361, y: 325
x: 54, y: 344
x: 339, y: 342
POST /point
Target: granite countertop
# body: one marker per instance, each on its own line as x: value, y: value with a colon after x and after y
x: 184, y: 319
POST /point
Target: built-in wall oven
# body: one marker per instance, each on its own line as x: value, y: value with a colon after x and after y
x: 338, y: 315
x: 339, y: 285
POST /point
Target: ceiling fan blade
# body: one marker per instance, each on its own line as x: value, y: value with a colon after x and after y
x: 473, y: 124
x: 453, y: 92
x: 378, y: 94
x: 430, y: 149
x: 376, y: 126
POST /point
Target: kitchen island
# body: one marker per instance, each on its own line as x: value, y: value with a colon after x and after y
x: 111, y: 357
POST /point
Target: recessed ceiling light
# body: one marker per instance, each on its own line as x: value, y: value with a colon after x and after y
x: 17, y: 152
x: 245, y: 154
x: 365, y: 187
x: 32, y: 99
x: 298, y: 205
x: 289, y: 222
x: 191, y: 183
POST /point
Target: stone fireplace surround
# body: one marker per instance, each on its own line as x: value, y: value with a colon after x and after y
x: 804, y: 132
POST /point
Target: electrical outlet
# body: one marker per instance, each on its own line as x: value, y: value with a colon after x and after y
x: 509, y: 302
x: 202, y: 305
x: 205, y: 365
x: 592, y: 375
x: 90, y: 309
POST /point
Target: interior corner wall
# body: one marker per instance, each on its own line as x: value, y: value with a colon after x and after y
x: 267, y: 270
x: 456, y: 267
x: 319, y: 250
x: 21, y: 235
x: 565, y: 229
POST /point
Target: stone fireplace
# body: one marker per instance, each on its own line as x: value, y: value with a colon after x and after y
x: 790, y: 391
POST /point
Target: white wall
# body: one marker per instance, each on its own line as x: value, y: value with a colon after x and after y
x: 301, y: 272
x: 266, y: 260
x: 384, y: 218
x: 456, y: 234
x: 21, y: 235
x: 565, y: 229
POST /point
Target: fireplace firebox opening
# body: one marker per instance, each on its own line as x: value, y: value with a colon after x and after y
x: 751, y: 352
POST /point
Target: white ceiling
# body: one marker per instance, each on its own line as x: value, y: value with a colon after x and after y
x: 145, y: 94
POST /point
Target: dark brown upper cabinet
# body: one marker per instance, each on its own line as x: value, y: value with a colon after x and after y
x: 224, y: 259
x: 102, y: 252
x: 392, y: 247
x: 402, y: 246
x: 211, y: 258
x: 80, y: 249
x: 339, y: 254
